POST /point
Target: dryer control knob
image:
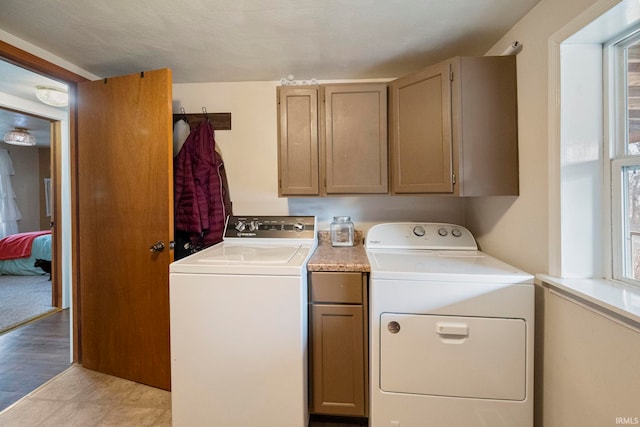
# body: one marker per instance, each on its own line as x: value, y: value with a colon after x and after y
x: 456, y: 232
x: 418, y: 230
x: 442, y: 231
x: 240, y: 226
x: 298, y: 226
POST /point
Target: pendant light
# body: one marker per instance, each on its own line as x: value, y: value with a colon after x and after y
x: 19, y: 136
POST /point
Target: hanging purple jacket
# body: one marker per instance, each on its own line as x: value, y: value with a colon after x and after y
x: 198, y: 185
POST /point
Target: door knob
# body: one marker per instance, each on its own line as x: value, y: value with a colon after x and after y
x: 157, y: 247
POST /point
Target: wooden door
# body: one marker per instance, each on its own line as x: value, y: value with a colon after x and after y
x: 125, y: 204
x: 421, y: 138
x: 355, y: 138
x: 298, y: 141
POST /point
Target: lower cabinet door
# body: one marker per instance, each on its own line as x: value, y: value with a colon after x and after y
x: 338, y: 360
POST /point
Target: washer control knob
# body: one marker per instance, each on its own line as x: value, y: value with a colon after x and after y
x: 456, y: 232
x: 253, y: 225
x: 418, y: 230
x: 240, y: 226
x: 442, y: 231
x: 298, y: 226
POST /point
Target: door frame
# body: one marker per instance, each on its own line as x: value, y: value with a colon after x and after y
x: 41, y: 66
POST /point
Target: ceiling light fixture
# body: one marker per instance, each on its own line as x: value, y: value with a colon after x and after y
x: 19, y: 136
x: 52, y: 96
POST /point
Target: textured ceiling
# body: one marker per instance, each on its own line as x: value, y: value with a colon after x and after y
x: 250, y: 40
x: 17, y: 82
x: 253, y: 40
x: 38, y: 127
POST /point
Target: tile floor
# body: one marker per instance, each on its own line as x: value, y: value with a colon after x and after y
x: 84, y: 398
x: 80, y: 397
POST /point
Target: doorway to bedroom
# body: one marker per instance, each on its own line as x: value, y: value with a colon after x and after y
x: 26, y: 288
x: 31, y: 193
x: 35, y: 331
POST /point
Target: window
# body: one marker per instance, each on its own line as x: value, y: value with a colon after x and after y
x: 625, y: 156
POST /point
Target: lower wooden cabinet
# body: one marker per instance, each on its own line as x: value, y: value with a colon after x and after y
x: 339, y: 340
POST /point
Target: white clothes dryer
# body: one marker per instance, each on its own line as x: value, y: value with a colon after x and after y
x: 451, y: 331
x: 239, y: 326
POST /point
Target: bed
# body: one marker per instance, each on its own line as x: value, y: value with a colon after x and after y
x: 19, y: 252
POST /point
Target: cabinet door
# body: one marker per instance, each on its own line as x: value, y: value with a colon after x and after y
x: 338, y: 366
x: 421, y: 143
x: 298, y: 141
x: 355, y: 138
x: 485, y: 124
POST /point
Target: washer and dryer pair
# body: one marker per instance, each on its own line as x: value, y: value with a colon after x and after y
x: 451, y: 329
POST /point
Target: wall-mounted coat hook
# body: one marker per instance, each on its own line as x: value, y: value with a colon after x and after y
x: 220, y: 121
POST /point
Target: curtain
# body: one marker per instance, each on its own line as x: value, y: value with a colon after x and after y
x: 9, y: 212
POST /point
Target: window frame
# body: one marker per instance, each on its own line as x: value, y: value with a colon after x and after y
x: 616, y: 144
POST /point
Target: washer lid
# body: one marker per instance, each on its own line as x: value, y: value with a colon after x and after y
x: 249, y: 254
x: 443, y: 266
x: 246, y: 258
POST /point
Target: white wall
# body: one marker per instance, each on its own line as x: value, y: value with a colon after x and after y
x: 581, y: 164
x: 584, y: 355
x: 591, y: 367
x: 517, y: 229
x: 251, y: 163
x: 249, y: 149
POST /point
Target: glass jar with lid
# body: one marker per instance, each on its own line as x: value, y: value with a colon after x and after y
x: 342, y: 231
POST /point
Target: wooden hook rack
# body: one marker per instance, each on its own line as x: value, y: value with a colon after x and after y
x: 220, y: 121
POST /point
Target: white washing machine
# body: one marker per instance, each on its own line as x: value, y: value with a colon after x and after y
x: 451, y: 331
x: 239, y: 326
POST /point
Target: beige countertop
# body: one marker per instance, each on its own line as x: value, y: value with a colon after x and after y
x: 339, y: 258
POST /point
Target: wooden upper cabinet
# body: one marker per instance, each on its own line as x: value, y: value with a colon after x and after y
x: 454, y: 128
x: 298, y: 141
x: 346, y: 154
x: 354, y: 143
x: 421, y: 146
x: 485, y: 125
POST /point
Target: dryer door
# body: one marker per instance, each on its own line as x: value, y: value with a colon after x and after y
x: 475, y: 357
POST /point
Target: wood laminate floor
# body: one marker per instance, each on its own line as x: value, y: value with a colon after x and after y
x: 33, y: 354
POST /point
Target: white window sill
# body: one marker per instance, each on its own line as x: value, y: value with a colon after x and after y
x: 616, y: 299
